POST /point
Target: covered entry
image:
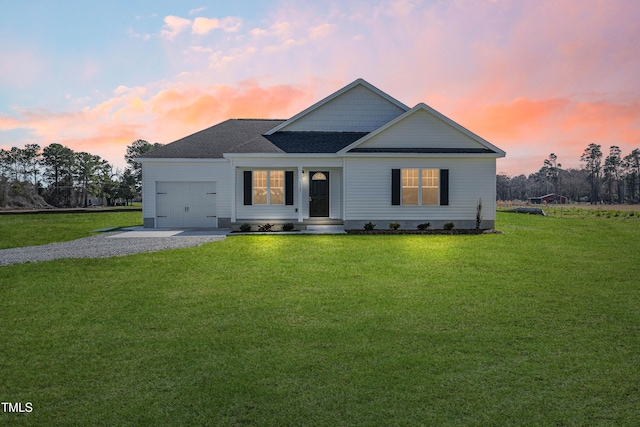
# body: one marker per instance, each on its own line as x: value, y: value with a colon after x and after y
x: 186, y: 204
x: 319, y: 194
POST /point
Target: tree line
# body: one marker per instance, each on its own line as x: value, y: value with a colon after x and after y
x: 59, y: 176
x: 610, y: 179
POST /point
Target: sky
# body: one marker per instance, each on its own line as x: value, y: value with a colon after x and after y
x: 533, y: 77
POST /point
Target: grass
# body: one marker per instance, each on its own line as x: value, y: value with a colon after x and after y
x: 617, y: 212
x: 537, y: 326
x: 39, y: 229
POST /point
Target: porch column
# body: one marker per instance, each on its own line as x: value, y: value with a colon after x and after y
x: 344, y: 188
x: 233, y: 192
x: 300, y: 201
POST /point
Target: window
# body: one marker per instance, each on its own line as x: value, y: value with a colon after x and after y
x: 420, y: 186
x: 276, y: 179
x: 260, y: 187
x: 268, y: 187
x: 410, y: 186
x: 430, y: 186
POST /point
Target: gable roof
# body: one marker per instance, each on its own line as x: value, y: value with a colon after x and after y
x: 396, y: 108
x: 231, y: 136
x: 478, y: 145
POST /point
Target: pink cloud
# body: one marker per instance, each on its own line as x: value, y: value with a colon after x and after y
x: 321, y: 31
x: 529, y: 129
x: 173, y: 25
x: 516, y: 119
x: 157, y: 115
x: 205, y: 25
x: 532, y: 77
x: 196, y: 11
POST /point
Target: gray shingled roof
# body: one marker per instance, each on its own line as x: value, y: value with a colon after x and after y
x: 313, y: 142
x: 246, y: 136
x: 231, y: 136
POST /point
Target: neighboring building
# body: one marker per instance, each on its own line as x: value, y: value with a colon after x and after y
x: 356, y: 156
x: 549, y: 199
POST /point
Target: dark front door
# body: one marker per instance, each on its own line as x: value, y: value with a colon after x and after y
x: 319, y: 194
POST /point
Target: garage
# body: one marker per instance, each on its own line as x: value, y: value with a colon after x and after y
x: 186, y: 204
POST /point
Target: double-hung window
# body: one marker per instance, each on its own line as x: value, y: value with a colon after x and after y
x: 429, y: 186
x: 268, y: 187
x: 414, y: 187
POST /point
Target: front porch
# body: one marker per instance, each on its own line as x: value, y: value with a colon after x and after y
x: 278, y: 191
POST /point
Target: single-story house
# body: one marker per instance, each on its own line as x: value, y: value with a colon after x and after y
x: 356, y: 156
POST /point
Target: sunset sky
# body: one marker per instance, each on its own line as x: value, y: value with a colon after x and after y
x: 532, y: 77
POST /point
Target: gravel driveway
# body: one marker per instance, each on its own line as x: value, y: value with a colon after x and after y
x: 110, y: 244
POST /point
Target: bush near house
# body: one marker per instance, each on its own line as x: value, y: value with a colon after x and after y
x: 288, y: 226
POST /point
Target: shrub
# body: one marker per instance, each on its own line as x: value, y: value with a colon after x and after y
x: 288, y: 226
x: 368, y: 226
x: 245, y: 227
x: 265, y: 227
x: 394, y: 225
x: 478, y: 214
x: 449, y: 226
x: 424, y: 226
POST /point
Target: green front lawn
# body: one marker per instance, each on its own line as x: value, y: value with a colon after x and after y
x: 39, y: 229
x: 537, y: 326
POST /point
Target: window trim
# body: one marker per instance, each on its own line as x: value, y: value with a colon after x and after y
x: 442, y: 188
x: 287, y: 189
x: 268, y: 187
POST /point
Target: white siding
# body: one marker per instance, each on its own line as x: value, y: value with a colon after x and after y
x: 420, y: 130
x: 368, y: 189
x: 153, y: 172
x: 357, y: 110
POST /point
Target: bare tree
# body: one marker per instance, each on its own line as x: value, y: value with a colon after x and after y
x: 592, y: 159
x: 612, y: 175
x: 551, y: 171
x: 58, y: 161
x: 632, y: 179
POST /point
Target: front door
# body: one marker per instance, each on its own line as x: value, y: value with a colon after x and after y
x: 319, y: 194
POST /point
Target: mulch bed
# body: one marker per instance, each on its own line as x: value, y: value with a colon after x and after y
x: 454, y: 231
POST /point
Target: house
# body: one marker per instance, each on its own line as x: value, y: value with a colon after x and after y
x: 548, y: 199
x: 356, y: 156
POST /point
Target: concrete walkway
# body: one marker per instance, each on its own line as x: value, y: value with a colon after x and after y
x: 131, y: 232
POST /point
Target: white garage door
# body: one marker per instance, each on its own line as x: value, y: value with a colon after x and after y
x: 186, y: 204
